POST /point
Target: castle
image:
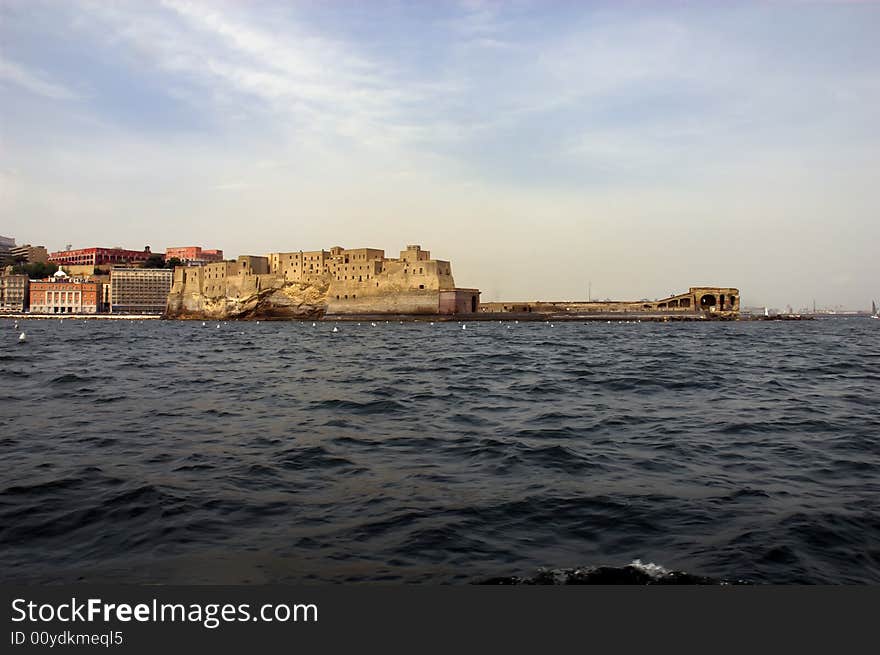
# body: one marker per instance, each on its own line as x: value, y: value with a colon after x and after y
x: 316, y: 283
x: 344, y: 282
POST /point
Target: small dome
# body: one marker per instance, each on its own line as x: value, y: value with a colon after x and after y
x: 60, y: 273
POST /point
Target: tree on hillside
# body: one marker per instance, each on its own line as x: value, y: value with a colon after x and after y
x: 155, y: 261
x: 36, y: 270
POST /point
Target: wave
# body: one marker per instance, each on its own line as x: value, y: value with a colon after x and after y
x: 370, y: 407
x: 634, y: 573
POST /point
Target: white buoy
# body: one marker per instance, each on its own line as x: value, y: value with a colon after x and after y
x: 551, y: 325
x: 432, y: 322
x: 335, y: 329
x: 314, y: 324
x: 203, y: 324
x: 22, y: 337
x: 258, y: 322
x: 464, y: 327
x: 218, y: 326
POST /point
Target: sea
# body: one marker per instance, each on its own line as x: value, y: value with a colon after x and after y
x: 162, y: 452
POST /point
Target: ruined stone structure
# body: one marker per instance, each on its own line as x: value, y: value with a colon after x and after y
x: 306, y: 284
x: 715, y: 302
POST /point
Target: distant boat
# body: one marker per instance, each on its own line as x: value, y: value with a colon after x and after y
x: 874, y: 313
x: 22, y: 337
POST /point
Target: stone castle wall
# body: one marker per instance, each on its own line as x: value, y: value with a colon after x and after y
x: 313, y: 283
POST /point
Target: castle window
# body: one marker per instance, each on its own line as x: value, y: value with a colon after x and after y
x: 421, y: 286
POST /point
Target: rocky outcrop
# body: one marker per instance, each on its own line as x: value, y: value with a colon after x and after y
x: 283, y: 300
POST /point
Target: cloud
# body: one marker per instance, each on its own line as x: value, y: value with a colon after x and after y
x: 232, y: 186
x: 33, y: 82
x: 308, y: 84
x: 622, y: 131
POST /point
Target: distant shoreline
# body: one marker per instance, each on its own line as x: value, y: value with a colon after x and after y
x: 114, y: 317
x: 438, y: 318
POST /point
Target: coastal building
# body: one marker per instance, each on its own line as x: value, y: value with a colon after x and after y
x: 13, y: 293
x: 61, y: 294
x: 302, y: 266
x: 364, y: 281
x: 28, y: 254
x: 139, y: 290
x: 6, y: 245
x: 317, y: 282
x: 100, y: 257
x: 194, y: 255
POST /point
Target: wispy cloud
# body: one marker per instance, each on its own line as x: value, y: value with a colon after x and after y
x: 33, y: 81
x: 232, y: 186
x: 307, y: 82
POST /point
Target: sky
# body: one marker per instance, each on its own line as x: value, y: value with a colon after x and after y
x: 544, y: 147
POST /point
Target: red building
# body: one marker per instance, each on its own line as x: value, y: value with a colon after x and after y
x: 194, y: 255
x: 99, y: 256
x: 60, y: 295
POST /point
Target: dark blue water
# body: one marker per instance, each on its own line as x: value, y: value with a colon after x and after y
x: 168, y: 452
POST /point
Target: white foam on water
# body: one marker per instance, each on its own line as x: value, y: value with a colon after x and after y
x: 654, y: 570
